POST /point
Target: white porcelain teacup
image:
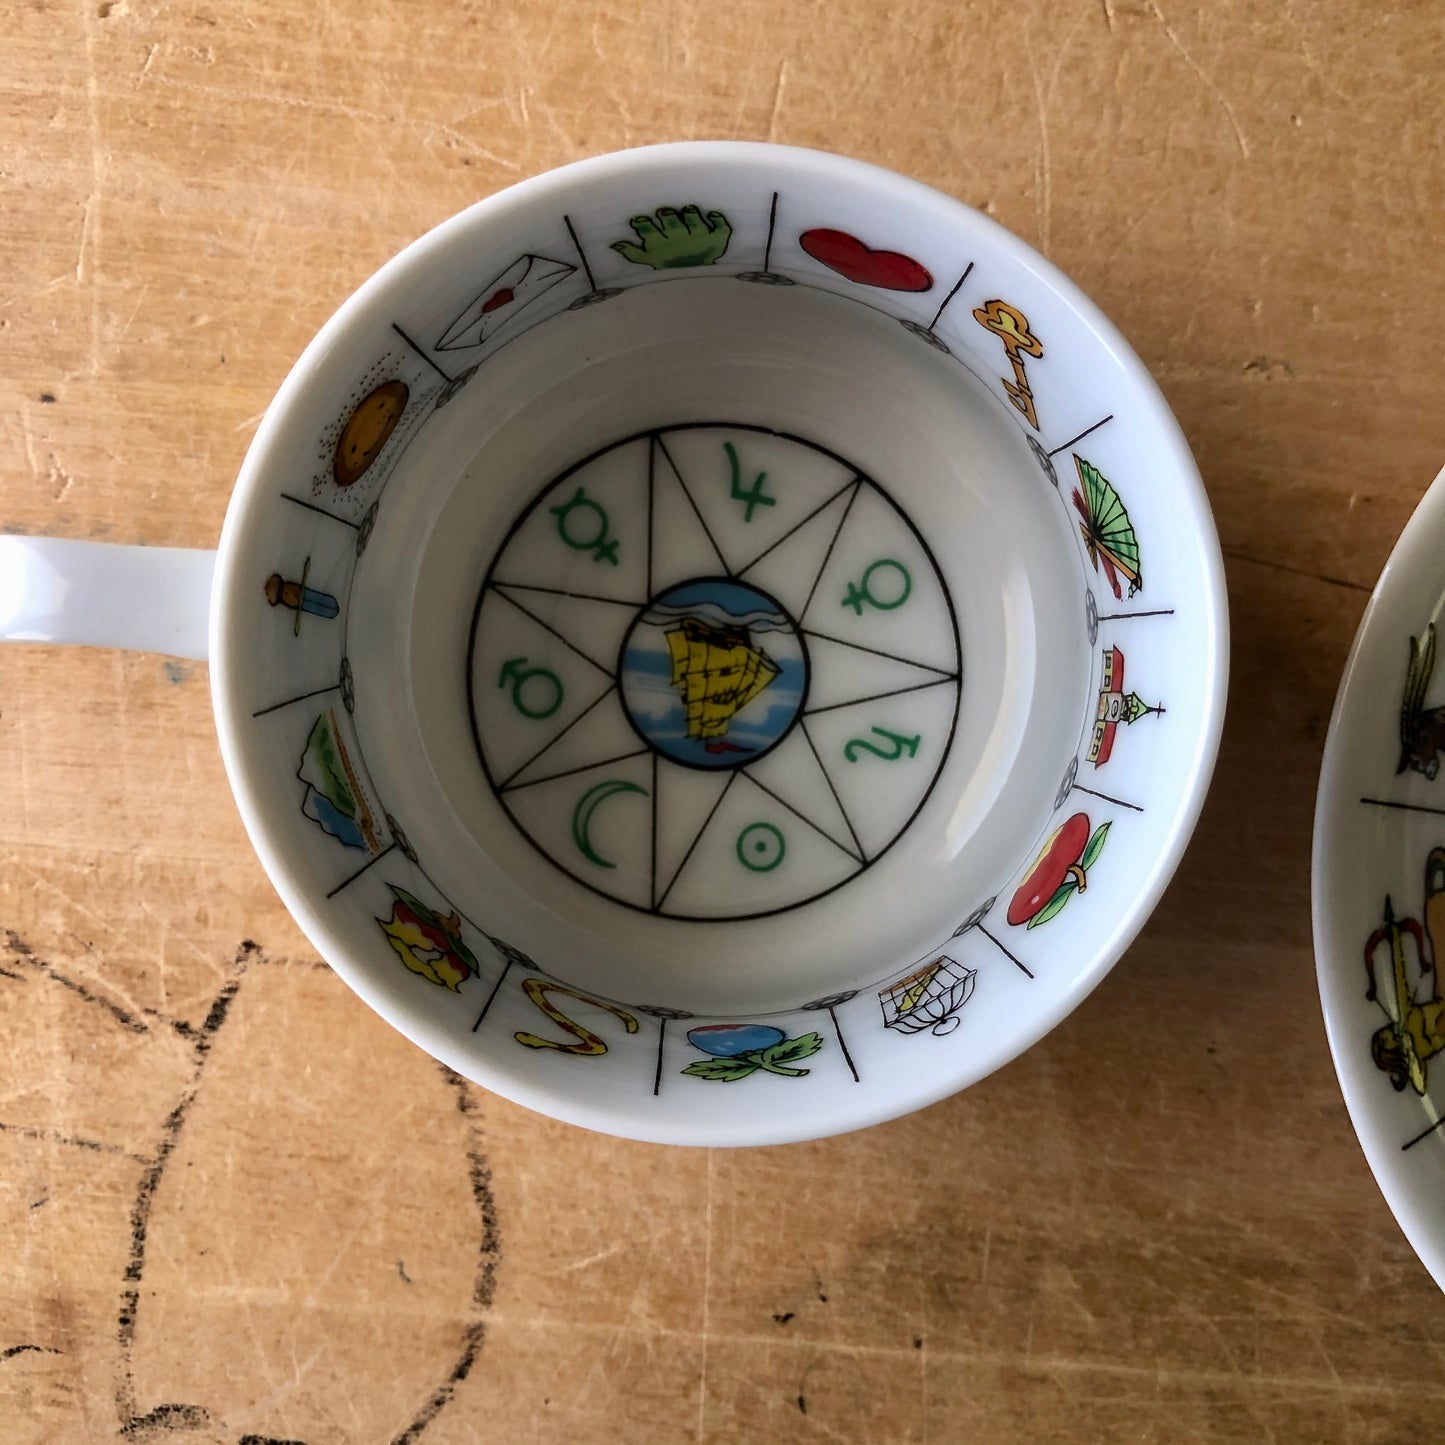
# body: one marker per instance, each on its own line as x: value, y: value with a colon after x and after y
x: 669, y: 642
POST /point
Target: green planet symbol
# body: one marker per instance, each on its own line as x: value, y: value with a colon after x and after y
x: 587, y: 805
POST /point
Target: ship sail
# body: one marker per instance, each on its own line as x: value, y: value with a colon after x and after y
x: 718, y: 671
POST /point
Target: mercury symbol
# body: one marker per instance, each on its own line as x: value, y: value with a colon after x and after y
x: 599, y: 544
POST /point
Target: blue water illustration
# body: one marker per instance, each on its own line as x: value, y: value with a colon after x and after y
x: 320, y: 809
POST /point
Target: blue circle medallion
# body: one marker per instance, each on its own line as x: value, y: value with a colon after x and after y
x: 713, y: 673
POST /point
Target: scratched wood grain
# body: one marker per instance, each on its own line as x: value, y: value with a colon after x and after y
x: 235, y: 1207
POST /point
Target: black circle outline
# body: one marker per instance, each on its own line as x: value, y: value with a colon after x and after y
x: 752, y: 757
x: 649, y: 434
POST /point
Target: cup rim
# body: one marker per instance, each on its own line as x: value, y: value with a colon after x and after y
x: 572, y: 1105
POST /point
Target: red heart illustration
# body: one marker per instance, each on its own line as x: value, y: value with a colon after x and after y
x: 851, y: 258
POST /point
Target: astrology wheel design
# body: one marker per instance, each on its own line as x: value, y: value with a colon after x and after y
x: 714, y: 672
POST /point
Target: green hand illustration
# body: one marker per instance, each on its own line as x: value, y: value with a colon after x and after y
x: 677, y: 238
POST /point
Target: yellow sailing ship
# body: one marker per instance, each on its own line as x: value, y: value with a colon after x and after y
x: 719, y: 672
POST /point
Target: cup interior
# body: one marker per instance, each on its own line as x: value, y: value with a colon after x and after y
x: 682, y: 605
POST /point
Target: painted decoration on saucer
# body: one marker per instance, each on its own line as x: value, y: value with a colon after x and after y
x: 1402, y: 961
x: 1422, y: 729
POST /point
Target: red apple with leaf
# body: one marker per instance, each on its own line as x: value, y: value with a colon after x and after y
x: 1060, y: 871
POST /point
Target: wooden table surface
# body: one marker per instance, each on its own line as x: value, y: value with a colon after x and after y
x: 236, y: 1207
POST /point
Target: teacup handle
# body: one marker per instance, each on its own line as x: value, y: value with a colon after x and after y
x: 151, y: 599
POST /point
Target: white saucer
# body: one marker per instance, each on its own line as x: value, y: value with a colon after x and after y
x: 1380, y: 813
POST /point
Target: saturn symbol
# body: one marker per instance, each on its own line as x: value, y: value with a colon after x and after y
x: 587, y: 805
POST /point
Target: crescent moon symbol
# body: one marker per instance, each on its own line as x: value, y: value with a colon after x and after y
x: 588, y: 804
